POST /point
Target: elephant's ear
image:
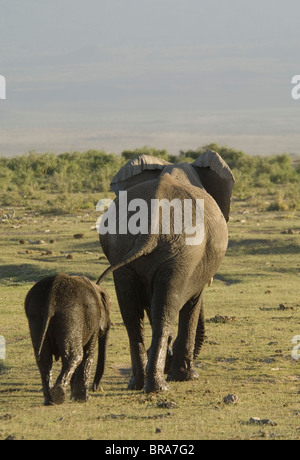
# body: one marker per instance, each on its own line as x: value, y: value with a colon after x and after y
x: 216, y: 178
x: 140, y: 169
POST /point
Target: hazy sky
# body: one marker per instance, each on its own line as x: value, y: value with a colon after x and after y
x: 116, y: 74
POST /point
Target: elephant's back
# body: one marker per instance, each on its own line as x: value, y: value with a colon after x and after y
x: 138, y: 248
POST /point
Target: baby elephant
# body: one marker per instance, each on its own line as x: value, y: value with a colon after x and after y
x: 67, y: 315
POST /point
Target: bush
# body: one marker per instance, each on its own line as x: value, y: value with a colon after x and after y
x: 24, y: 178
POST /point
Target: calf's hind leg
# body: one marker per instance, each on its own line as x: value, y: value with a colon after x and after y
x: 70, y: 361
x: 81, y: 377
x: 44, y: 363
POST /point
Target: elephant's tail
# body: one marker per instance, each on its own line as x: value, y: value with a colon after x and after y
x: 46, y: 322
x: 102, y: 345
x: 112, y: 268
x: 145, y: 248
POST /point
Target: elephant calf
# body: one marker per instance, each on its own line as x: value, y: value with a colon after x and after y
x: 67, y: 315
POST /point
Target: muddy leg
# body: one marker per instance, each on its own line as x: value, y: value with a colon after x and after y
x: 70, y: 361
x: 81, y: 377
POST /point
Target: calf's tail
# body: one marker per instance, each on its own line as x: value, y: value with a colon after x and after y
x: 46, y: 322
x: 48, y: 313
x: 102, y: 344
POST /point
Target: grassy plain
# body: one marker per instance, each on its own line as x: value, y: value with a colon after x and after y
x: 247, y: 351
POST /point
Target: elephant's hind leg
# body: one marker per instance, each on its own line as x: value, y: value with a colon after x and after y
x: 70, y: 361
x: 164, y: 310
x: 81, y: 377
x: 45, y: 366
x: 128, y: 289
x: 184, y: 346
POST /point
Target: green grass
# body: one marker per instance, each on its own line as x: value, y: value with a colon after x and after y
x: 249, y: 356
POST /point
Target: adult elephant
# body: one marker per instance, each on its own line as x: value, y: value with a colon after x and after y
x: 164, y: 272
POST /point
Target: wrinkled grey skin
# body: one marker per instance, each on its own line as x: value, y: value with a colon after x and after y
x: 161, y: 274
x: 67, y: 316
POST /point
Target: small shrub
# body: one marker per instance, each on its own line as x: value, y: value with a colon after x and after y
x: 279, y: 204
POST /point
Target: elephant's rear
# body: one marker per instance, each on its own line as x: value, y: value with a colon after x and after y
x: 165, y: 270
x: 38, y: 296
x: 216, y: 232
x: 38, y: 310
